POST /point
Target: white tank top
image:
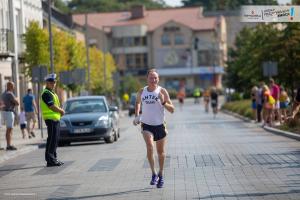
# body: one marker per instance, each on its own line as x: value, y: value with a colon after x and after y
x: 153, y: 112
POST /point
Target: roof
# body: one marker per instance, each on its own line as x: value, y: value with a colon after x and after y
x: 191, y: 17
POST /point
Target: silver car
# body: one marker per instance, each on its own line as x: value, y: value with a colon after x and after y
x: 89, y: 118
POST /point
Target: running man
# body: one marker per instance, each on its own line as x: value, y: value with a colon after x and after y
x: 214, y: 101
x: 154, y: 99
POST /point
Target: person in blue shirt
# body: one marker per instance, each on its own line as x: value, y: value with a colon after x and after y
x: 30, y: 111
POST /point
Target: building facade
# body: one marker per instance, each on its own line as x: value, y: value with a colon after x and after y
x: 185, y: 47
x: 15, y: 16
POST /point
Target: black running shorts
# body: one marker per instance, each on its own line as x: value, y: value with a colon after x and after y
x: 158, y: 132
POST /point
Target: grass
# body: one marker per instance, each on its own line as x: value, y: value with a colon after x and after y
x: 243, y: 107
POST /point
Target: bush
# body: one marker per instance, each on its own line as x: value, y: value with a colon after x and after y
x: 236, y: 96
x: 172, y: 93
x: 242, y: 107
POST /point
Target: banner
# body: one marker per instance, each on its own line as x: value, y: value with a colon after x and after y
x: 270, y: 14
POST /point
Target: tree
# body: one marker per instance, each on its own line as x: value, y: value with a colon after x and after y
x: 130, y: 84
x: 61, y: 6
x: 110, y: 5
x: 97, y: 84
x: 272, y: 42
x: 289, y: 50
x: 226, y: 4
x: 37, y: 47
x: 253, y: 47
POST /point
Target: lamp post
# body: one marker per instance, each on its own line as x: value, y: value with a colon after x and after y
x: 104, y: 60
x: 50, y: 35
x: 87, y: 51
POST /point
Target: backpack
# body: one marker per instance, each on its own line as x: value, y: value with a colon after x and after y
x: 271, y: 100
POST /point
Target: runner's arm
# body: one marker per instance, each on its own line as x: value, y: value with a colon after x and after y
x: 138, y: 102
x: 167, y: 101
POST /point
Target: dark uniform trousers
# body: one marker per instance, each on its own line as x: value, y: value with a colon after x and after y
x: 52, y: 140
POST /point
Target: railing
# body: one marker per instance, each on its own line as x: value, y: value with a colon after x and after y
x: 6, y: 42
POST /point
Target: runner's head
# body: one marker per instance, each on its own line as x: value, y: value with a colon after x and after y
x: 152, y: 77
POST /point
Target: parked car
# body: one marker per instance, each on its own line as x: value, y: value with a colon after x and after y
x: 89, y: 118
x: 131, y: 108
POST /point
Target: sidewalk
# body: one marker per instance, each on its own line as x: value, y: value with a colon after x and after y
x: 273, y: 130
x: 24, y: 145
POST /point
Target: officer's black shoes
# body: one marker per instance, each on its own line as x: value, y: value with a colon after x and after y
x: 61, y: 163
x: 11, y: 148
x: 54, y: 164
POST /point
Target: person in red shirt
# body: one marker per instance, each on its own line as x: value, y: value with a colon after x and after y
x: 275, y: 92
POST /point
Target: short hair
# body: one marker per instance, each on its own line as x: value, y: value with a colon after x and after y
x: 29, y: 90
x: 9, y: 84
x: 271, y: 80
x: 150, y: 71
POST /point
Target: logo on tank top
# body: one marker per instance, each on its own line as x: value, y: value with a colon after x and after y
x: 150, y: 99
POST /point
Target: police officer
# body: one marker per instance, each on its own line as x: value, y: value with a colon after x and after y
x: 51, y: 113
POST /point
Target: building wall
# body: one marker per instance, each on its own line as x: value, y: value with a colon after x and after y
x: 25, y: 11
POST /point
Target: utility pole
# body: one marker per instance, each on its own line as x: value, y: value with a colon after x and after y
x: 87, y: 51
x: 15, y: 62
x: 104, y: 61
x: 50, y: 35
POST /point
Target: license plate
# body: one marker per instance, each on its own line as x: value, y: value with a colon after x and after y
x: 82, y: 130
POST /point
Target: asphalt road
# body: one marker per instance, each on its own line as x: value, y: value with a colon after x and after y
x: 207, y: 158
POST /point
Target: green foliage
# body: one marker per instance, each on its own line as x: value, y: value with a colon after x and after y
x: 242, y: 107
x: 172, y: 93
x: 226, y: 4
x: 110, y: 5
x: 69, y: 54
x: 61, y: 6
x: 130, y: 84
x: 37, y: 45
x: 264, y: 43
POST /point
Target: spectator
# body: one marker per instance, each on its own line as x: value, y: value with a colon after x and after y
x: 10, y: 104
x: 23, y: 123
x: 259, y: 101
x: 253, y: 102
x: 284, y: 102
x: 269, y: 102
x: 296, y: 105
x: 30, y: 112
x: 275, y: 92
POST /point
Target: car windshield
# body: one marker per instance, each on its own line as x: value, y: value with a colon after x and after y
x: 85, y: 106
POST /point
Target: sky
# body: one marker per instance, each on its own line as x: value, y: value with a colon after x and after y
x: 178, y: 2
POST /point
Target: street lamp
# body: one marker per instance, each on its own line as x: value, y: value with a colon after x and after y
x: 87, y: 51
x: 50, y: 35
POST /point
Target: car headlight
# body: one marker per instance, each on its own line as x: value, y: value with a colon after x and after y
x: 103, y: 121
x: 62, y: 123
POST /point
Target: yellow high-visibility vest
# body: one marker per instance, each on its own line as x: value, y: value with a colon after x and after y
x: 47, y: 113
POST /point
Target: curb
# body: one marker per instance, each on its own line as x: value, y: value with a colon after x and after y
x: 267, y: 128
x: 21, y: 151
x: 282, y: 133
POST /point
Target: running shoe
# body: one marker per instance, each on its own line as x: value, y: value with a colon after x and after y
x: 154, y: 179
x: 160, y: 182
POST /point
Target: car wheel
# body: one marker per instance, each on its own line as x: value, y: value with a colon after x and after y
x: 110, y: 139
x: 116, y: 136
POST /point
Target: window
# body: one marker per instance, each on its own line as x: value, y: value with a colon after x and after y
x: 204, y: 58
x: 165, y: 39
x: 128, y: 41
x: 136, y: 61
x: 179, y: 39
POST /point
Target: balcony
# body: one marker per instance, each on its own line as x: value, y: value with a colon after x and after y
x: 6, y: 43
